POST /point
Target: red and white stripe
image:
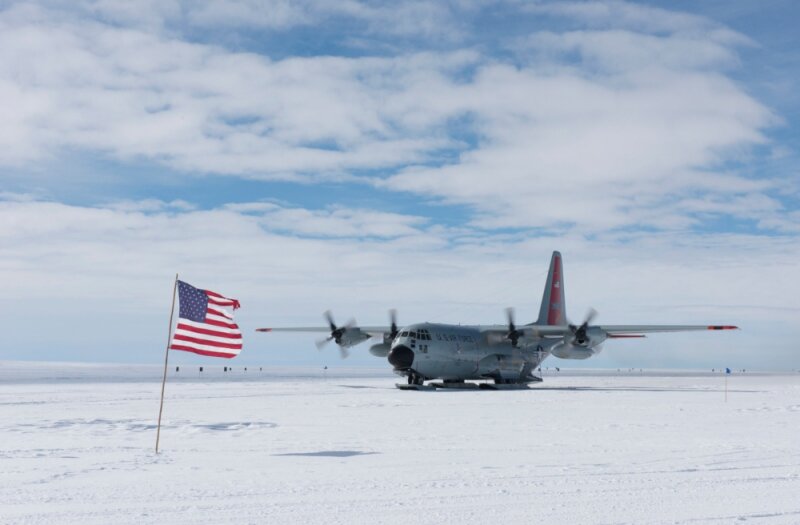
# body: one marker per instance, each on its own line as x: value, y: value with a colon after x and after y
x: 218, y: 336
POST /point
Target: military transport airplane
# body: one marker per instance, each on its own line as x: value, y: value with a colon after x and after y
x: 508, y: 354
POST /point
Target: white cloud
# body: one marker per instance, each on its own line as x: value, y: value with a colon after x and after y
x: 623, y: 51
x: 637, y: 17
x: 643, y: 118
x: 340, y: 222
x: 274, y: 14
x: 411, y: 18
x: 563, y: 148
x: 150, y: 205
x: 84, y: 84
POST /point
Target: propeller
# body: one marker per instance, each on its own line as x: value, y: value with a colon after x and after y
x: 336, y: 334
x: 393, y: 319
x: 579, y: 332
x: 513, y: 334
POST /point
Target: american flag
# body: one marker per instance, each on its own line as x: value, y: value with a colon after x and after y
x: 204, y: 326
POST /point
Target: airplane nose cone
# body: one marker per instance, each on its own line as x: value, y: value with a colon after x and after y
x: 401, y: 357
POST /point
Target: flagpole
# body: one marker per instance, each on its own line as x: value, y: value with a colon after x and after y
x: 166, y: 358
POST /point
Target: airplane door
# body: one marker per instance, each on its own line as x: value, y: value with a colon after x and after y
x: 466, y: 355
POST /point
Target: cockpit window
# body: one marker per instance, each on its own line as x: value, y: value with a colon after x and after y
x: 403, y: 334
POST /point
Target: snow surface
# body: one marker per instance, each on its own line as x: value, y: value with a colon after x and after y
x: 299, y: 447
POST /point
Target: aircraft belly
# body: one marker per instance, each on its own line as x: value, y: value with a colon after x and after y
x: 447, y: 364
x: 445, y: 369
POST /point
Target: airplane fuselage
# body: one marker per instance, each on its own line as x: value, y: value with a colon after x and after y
x: 458, y: 352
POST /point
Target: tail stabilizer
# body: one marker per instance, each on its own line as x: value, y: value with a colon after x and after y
x: 553, y: 309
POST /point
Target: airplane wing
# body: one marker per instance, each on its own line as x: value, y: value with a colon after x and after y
x: 632, y: 330
x: 372, y: 330
x: 296, y: 329
x: 345, y: 336
x: 376, y: 330
x: 499, y: 334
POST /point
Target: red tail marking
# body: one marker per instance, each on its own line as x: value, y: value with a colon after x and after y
x: 554, y: 308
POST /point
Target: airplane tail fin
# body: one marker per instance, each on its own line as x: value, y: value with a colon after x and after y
x: 553, y: 309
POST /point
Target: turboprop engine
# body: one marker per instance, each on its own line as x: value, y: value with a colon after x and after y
x: 582, y: 342
x: 572, y: 351
x: 382, y: 349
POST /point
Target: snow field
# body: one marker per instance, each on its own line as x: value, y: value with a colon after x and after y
x: 575, y: 449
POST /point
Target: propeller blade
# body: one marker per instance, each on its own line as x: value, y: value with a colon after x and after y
x: 344, y: 353
x: 513, y: 334
x: 579, y: 332
x: 329, y: 317
x: 322, y: 342
x: 510, y: 316
x: 393, y: 319
x: 590, y: 315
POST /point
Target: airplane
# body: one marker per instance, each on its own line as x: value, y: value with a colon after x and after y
x: 507, y: 355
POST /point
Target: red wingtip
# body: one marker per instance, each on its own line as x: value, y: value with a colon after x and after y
x: 263, y: 329
x: 724, y: 327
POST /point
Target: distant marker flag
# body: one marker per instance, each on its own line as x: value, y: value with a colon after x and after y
x: 205, y: 326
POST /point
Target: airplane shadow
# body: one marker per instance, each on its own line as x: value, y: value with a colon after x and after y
x: 644, y: 389
x: 329, y: 453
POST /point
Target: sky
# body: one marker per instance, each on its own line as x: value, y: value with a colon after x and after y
x: 359, y: 156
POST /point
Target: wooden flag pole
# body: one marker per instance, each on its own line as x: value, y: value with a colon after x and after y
x: 166, y: 358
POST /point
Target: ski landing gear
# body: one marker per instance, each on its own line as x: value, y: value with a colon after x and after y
x: 455, y: 384
x: 415, y: 382
x: 415, y: 379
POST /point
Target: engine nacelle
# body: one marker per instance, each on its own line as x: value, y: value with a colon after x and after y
x: 570, y: 351
x: 352, y: 337
x: 573, y: 348
x: 380, y: 349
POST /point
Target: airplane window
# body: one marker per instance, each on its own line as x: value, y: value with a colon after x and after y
x: 403, y: 334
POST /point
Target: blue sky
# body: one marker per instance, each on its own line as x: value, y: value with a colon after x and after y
x: 361, y: 156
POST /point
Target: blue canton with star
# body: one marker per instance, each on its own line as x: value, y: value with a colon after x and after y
x: 193, y: 302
